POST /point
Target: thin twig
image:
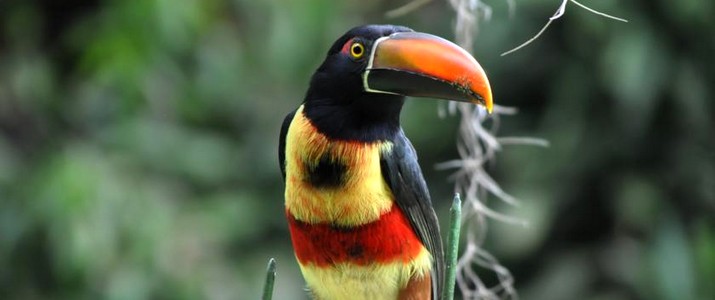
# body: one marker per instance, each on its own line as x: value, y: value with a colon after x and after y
x: 560, y: 12
x: 599, y: 13
x: 530, y: 40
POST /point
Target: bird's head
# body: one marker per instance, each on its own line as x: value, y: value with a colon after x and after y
x: 371, y: 68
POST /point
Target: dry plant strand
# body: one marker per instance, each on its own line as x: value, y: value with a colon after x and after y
x: 477, y: 145
x: 560, y: 12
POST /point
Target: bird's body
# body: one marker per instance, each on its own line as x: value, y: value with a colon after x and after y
x: 348, y: 233
x: 358, y: 209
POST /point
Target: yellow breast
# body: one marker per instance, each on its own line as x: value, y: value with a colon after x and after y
x: 362, y: 198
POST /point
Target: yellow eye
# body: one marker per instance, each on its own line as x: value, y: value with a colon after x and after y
x: 357, y: 50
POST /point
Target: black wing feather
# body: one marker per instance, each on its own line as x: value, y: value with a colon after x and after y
x: 402, y: 173
x: 282, y: 143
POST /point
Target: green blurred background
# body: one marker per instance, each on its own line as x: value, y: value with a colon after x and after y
x: 138, y: 144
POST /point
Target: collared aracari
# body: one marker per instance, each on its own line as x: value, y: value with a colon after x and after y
x: 358, y: 209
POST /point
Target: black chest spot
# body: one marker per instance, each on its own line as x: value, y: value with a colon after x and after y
x: 356, y: 251
x: 327, y: 173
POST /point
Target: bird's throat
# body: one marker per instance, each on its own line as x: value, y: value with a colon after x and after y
x: 370, y: 118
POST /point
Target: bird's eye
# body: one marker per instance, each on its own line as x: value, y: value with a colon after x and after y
x: 357, y: 50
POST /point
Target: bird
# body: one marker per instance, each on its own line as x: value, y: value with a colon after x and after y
x: 359, y: 213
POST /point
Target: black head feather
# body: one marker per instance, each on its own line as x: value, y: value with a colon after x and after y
x: 336, y: 102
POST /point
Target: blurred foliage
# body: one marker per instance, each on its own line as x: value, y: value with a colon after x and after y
x: 138, y: 144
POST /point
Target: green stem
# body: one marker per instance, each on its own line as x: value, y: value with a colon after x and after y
x: 455, y: 222
x: 270, y: 278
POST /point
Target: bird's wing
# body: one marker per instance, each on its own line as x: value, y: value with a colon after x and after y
x: 282, y: 143
x: 403, y: 175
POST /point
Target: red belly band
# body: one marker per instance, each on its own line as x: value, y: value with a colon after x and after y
x: 386, y: 240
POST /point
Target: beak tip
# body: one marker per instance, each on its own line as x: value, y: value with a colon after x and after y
x: 487, y: 101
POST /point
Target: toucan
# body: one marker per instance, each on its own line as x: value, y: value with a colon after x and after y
x: 359, y: 213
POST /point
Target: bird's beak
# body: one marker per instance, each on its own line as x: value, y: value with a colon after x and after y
x: 423, y: 65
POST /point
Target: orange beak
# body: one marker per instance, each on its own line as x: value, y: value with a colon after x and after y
x: 423, y: 65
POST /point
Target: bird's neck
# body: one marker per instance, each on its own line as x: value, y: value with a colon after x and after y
x: 367, y: 118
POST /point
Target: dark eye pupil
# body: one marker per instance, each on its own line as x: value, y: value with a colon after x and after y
x: 357, y: 49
